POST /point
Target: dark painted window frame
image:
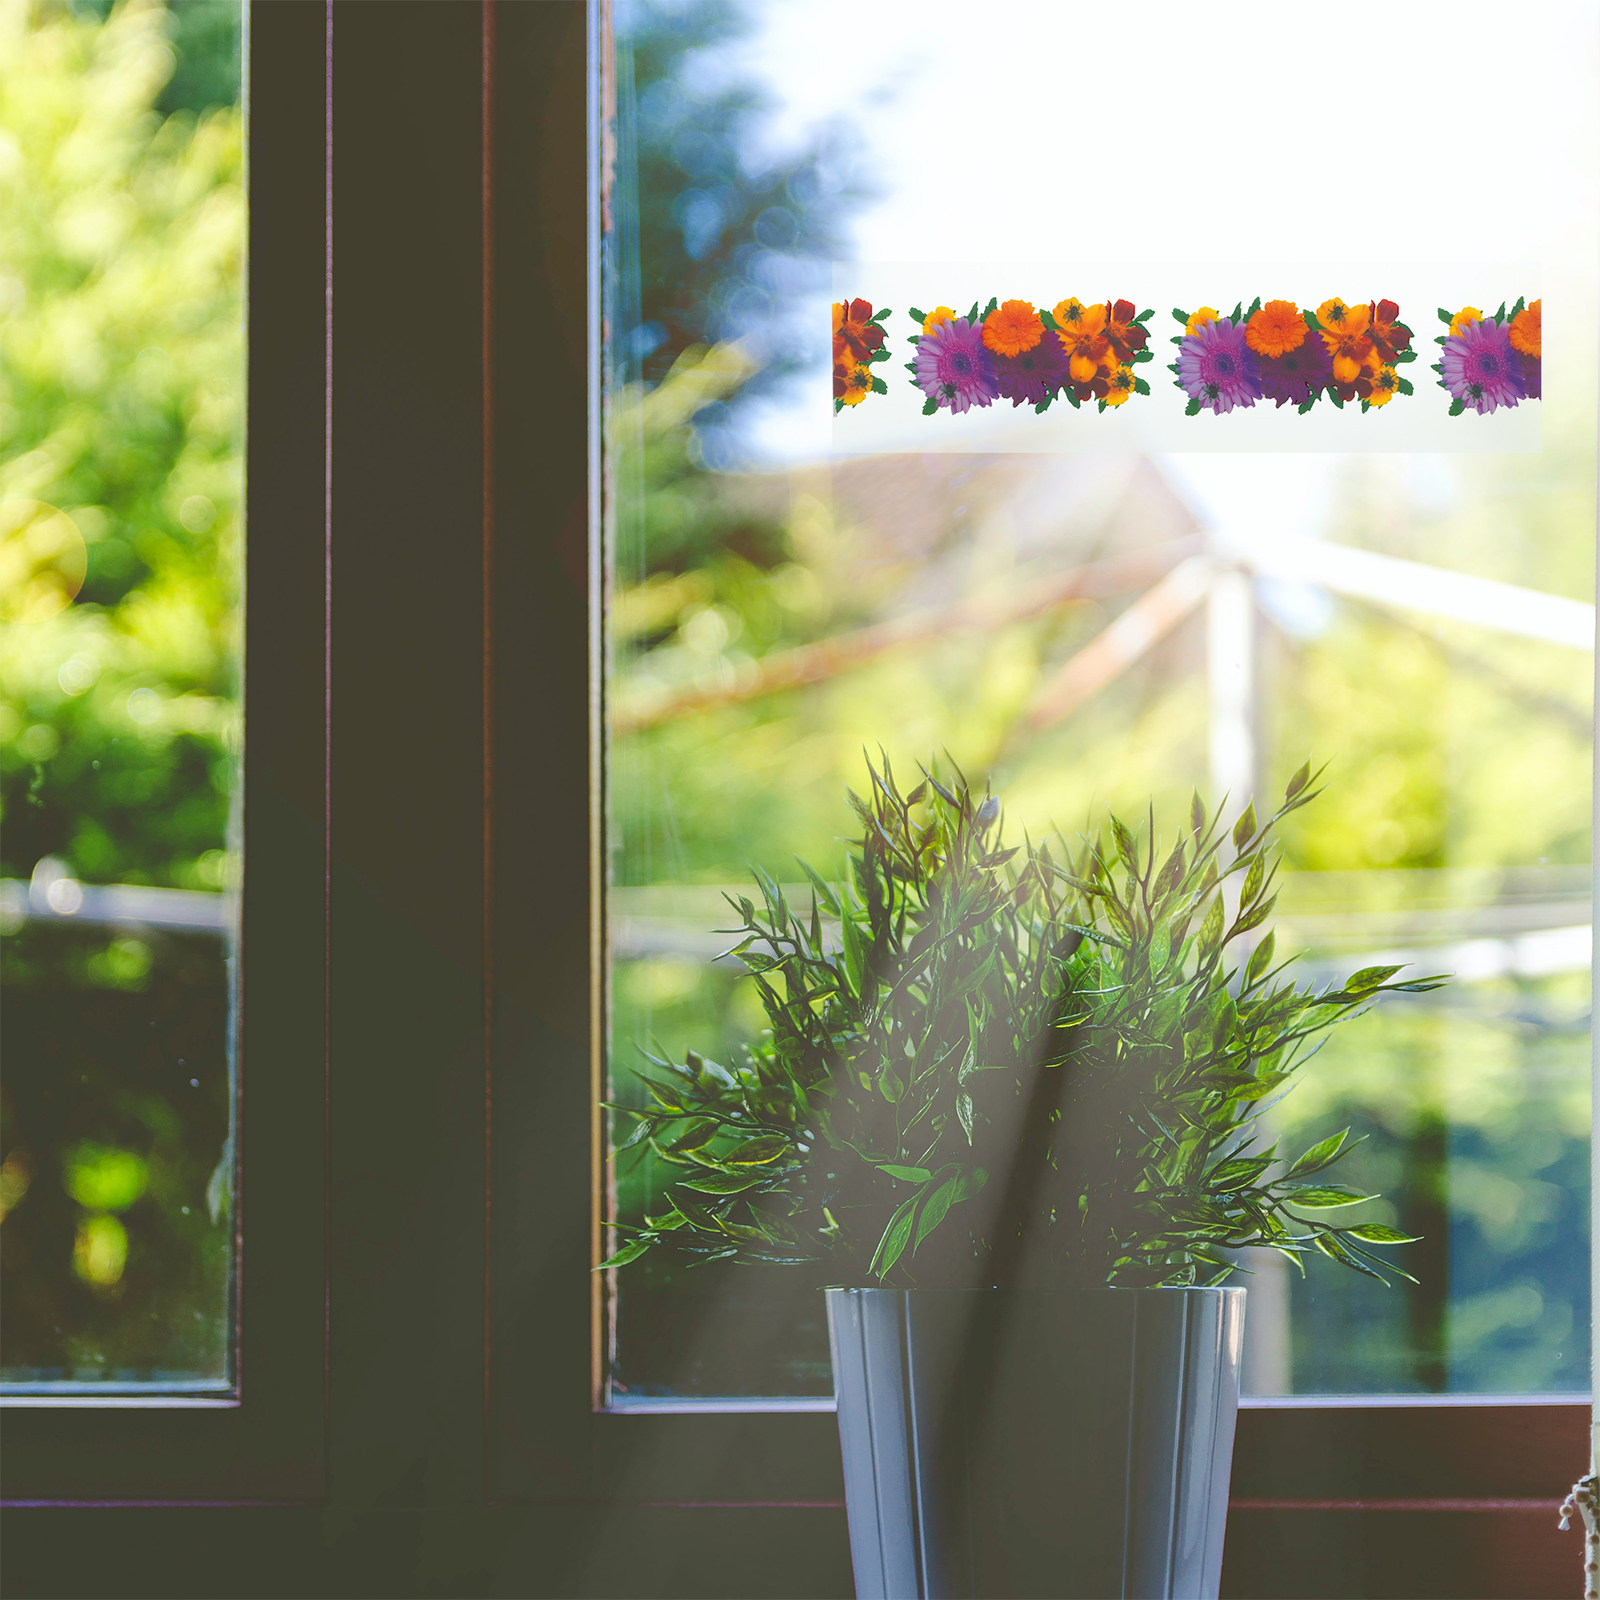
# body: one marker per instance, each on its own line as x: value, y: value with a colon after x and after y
x: 420, y: 1150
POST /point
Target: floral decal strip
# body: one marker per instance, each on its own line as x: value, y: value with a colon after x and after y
x: 1275, y: 351
x: 1489, y: 362
x: 1013, y: 352
x: 858, y: 344
x: 1278, y: 352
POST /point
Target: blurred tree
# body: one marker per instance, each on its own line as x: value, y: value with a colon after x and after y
x: 734, y: 236
x: 121, y: 412
x: 120, y: 407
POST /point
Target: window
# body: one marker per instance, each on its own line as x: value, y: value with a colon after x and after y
x: 414, y: 1410
x: 1097, y: 609
x: 122, y: 479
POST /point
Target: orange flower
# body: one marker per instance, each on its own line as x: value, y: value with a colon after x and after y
x: 854, y: 331
x: 1464, y: 316
x: 936, y: 316
x: 1276, y: 329
x: 1081, y: 332
x: 1126, y: 337
x: 1345, y: 335
x: 1013, y: 328
x: 1526, y: 331
x: 1199, y: 319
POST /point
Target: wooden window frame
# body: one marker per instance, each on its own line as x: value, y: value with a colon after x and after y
x: 420, y: 1150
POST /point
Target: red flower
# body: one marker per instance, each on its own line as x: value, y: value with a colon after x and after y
x: 1361, y: 389
x: 1389, y: 336
x: 854, y: 332
x: 1124, y: 335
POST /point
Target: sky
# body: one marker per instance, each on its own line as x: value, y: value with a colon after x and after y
x: 1238, y: 132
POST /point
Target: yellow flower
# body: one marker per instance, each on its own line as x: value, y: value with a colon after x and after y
x: 1465, y: 315
x: 1333, y: 314
x: 857, y: 383
x: 1385, y: 386
x: 936, y: 316
x: 1070, y: 315
x: 1122, y: 380
x: 1204, y: 315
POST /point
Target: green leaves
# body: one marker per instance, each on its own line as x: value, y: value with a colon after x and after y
x: 1368, y: 978
x: 757, y: 1152
x: 1320, y: 1155
x: 1067, y: 1015
x: 906, y: 1174
x: 1244, y: 830
x: 1260, y: 961
x: 723, y: 1182
x: 629, y: 1252
x: 895, y: 1238
x: 1322, y: 1197
x: 939, y: 1202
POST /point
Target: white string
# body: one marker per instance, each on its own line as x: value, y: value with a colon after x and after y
x: 1584, y: 1498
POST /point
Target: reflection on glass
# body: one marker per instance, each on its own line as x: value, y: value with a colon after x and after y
x: 121, y: 437
x: 774, y: 609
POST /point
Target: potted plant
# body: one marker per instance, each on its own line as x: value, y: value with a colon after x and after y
x: 1006, y: 1109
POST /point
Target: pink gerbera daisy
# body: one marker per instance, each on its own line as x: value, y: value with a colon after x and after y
x: 1480, y: 368
x: 1217, y: 368
x: 953, y: 368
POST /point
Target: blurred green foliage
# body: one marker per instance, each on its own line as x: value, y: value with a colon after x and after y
x: 121, y: 401
x: 121, y: 452
x: 733, y: 232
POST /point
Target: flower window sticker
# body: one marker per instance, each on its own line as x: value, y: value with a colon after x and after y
x: 1277, y: 351
x: 858, y: 344
x: 1489, y: 362
x: 1013, y: 352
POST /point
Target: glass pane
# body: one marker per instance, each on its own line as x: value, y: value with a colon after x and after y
x: 789, y: 587
x: 121, y: 454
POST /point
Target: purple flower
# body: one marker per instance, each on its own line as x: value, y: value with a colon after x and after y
x: 1298, y: 377
x: 1033, y: 377
x: 1481, y: 369
x: 1532, y: 379
x: 953, y: 367
x: 1217, y: 368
